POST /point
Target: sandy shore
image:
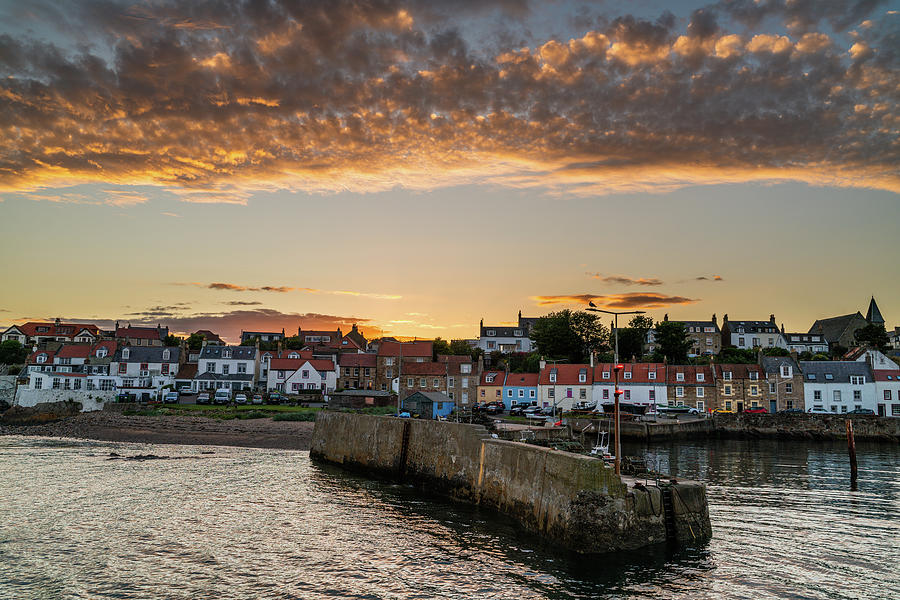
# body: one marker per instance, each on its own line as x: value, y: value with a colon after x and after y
x: 111, y: 427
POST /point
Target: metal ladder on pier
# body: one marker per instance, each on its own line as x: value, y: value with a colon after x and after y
x: 668, y: 512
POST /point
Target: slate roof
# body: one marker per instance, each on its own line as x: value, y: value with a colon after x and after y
x: 833, y: 328
x: 773, y: 364
x: 753, y: 326
x: 220, y: 377
x: 237, y: 352
x: 433, y: 396
x: 814, y: 371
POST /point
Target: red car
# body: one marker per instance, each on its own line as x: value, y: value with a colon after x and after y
x: 756, y: 410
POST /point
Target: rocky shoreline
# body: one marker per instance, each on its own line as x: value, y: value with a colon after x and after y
x: 112, y: 427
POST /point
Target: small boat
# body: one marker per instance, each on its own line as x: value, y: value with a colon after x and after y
x: 625, y: 407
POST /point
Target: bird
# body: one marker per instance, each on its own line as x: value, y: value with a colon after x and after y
x: 591, y: 304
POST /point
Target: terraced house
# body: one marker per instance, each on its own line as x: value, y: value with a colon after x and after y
x: 357, y: 371
x: 462, y: 378
x: 563, y: 386
x: 739, y: 387
x: 641, y: 383
x: 230, y: 367
x: 691, y: 385
x: 752, y: 334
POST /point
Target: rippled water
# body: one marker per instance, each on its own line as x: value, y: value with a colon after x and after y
x: 246, y: 523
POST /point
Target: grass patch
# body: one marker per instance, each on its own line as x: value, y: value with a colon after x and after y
x: 227, y: 413
x: 147, y: 412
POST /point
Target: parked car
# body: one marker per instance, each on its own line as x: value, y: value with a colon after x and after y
x: 404, y: 415
x: 203, y: 398
x: 756, y: 410
x: 818, y: 411
x: 276, y: 397
x: 791, y: 411
x: 257, y: 399
x: 184, y: 390
x: 861, y: 411
x: 240, y: 398
x: 722, y: 411
x: 517, y: 411
x: 494, y: 408
x: 531, y: 411
x: 223, y: 396
x: 171, y: 398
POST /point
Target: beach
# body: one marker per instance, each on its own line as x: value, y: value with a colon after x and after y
x: 113, y: 427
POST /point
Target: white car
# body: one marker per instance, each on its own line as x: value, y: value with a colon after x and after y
x: 815, y: 410
x: 240, y: 398
x: 171, y: 398
x: 203, y: 398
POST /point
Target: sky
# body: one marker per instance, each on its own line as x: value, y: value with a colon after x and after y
x: 416, y: 166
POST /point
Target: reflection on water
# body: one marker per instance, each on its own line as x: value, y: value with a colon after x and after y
x: 245, y: 523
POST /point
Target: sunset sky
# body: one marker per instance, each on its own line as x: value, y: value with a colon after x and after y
x: 415, y: 166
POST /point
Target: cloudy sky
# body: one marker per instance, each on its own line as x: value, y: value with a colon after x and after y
x: 416, y: 166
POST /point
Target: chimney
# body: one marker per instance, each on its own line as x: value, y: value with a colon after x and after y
x: 666, y: 317
x: 795, y: 356
x: 592, y: 359
x: 714, y: 319
x: 782, y: 329
x: 772, y: 319
x: 57, y: 321
x: 543, y: 364
x: 725, y: 319
x: 481, y: 324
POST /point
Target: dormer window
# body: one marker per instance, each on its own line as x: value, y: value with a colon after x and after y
x: 582, y: 377
x: 41, y: 358
x: 518, y: 333
x: 553, y: 376
x: 754, y: 375
x: 226, y: 353
x: 829, y: 376
x: 491, y: 333
x: 627, y: 374
x: 102, y: 352
x: 651, y: 375
x: 166, y: 354
x: 726, y: 375
x: 785, y: 371
x: 126, y: 353
x: 605, y: 374
x: 811, y: 376
x: 701, y: 377
x: 679, y: 376
x: 293, y: 355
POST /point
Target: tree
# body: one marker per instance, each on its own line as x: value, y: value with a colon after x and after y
x: 461, y: 348
x: 439, y: 347
x: 737, y: 356
x: 633, y: 338
x: 569, y: 335
x: 672, y: 341
x: 293, y: 343
x: 776, y: 351
x: 195, y: 341
x: 171, y: 341
x: 12, y: 353
x: 520, y: 362
x: 873, y: 336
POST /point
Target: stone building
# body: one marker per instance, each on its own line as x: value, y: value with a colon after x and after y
x: 739, y: 387
x: 691, y: 385
x: 784, y: 383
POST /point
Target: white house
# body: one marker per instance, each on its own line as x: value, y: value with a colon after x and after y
x: 265, y: 358
x: 229, y: 367
x: 752, y: 334
x: 838, y: 386
x: 296, y: 375
x: 505, y: 338
x: 887, y: 393
x: 144, y: 370
x: 564, y: 386
x: 641, y: 383
x: 806, y: 342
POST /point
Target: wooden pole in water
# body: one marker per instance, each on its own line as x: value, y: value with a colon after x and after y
x: 851, y: 447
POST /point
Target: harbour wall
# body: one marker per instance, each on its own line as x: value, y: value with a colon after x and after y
x: 800, y: 426
x: 573, y: 500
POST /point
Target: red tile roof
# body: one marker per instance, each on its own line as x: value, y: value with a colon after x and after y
x: 33, y: 356
x: 110, y: 345
x: 886, y: 375
x: 498, y: 378
x: 522, y: 379
x: 567, y: 374
x: 143, y: 333
x: 690, y: 375
x: 738, y: 371
x: 322, y: 365
x: 640, y: 373
x: 423, y: 368
x: 70, y: 329
x: 410, y: 349
x: 74, y: 351
x: 292, y: 364
x: 275, y: 354
x: 187, y: 371
x: 358, y: 360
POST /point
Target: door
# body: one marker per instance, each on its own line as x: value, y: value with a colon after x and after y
x: 773, y: 406
x: 881, y: 410
x: 740, y: 407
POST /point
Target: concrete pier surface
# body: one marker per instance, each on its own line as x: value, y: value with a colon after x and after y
x: 573, y: 500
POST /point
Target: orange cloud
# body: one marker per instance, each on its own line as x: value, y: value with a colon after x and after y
x: 631, y: 300
x: 622, y: 280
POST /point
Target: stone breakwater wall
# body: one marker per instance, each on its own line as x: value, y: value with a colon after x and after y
x: 573, y: 500
x: 807, y: 427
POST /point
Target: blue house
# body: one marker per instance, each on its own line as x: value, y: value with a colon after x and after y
x: 520, y: 388
x: 428, y: 405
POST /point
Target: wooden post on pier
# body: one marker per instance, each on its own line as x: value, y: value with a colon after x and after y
x: 851, y: 447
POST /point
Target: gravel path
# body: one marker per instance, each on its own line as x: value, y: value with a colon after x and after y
x: 111, y: 427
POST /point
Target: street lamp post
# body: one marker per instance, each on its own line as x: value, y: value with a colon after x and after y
x: 616, y: 392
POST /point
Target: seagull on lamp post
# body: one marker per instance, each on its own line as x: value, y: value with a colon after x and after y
x: 591, y: 304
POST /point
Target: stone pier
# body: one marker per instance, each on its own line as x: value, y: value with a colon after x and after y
x: 573, y: 500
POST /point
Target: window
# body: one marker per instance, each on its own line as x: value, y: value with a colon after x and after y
x: 126, y: 353
x: 829, y: 377
x: 582, y: 377
x: 728, y: 405
x: 679, y: 392
x: 102, y: 352
x: 785, y: 371
x: 817, y: 395
x: 482, y: 392
x: 605, y: 374
x: 389, y: 373
x: 652, y: 395
x: 699, y: 392
x: 606, y: 394
x: 296, y: 386
x: 754, y: 375
x: 305, y: 374
x: 627, y: 374
x: 709, y: 341
x: 701, y: 377
x: 465, y: 397
x: 347, y: 372
x: 226, y: 353
x: 521, y: 393
x: 356, y: 372
x: 465, y: 368
x: 771, y: 388
x: 789, y: 388
x: 423, y: 382
x: 465, y: 382
x: 531, y: 393
x: 490, y: 345
x: 164, y: 369
x: 741, y: 342
x: 857, y: 380
x: 241, y: 367
x: 582, y: 394
x: 754, y: 390
x: 366, y: 372
x: 727, y: 390
x: 280, y: 374
x: 225, y: 368
x: 451, y: 382
x: 56, y: 383
x: 628, y: 394
x: 811, y: 376
x: 887, y: 395
x: 551, y: 393
x: 409, y: 382
x: 38, y: 383
x: 166, y: 354
x: 857, y: 395
x: 679, y: 376
x: 388, y: 362
x: 123, y: 368
x: 509, y: 393
x: 210, y: 367
x: 436, y: 382
x: 701, y: 406
x: 489, y: 378
x: 837, y: 395
x: 651, y: 375
x: 553, y: 376
x: 755, y: 342
x: 726, y: 375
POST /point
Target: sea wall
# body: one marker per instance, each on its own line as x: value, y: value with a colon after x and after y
x: 44, y: 412
x: 574, y: 500
x: 645, y: 431
x: 89, y: 400
x: 806, y: 427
